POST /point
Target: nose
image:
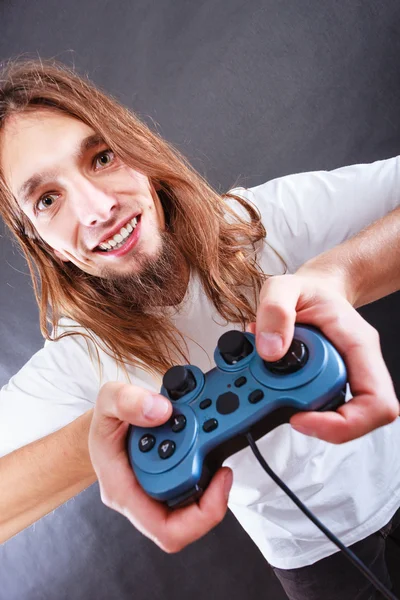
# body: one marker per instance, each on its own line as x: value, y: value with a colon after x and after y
x: 93, y: 205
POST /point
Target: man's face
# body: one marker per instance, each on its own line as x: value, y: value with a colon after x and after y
x: 91, y: 208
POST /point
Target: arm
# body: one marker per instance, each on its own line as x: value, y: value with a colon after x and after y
x: 368, y: 264
x: 39, y: 477
x: 323, y: 292
x: 310, y: 213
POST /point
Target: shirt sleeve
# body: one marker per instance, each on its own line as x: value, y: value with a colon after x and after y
x: 308, y: 213
x: 59, y: 383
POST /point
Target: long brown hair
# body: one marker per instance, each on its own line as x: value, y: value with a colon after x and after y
x: 215, y: 241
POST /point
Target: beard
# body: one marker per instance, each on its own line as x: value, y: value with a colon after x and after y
x: 160, y: 280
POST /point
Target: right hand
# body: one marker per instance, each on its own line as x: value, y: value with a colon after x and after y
x: 117, y: 406
x: 320, y: 298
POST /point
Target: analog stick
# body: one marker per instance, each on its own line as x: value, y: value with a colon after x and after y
x: 234, y: 346
x: 178, y: 381
x: 294, y: 360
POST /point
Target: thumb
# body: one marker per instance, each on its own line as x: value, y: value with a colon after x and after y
x: 119, y: 405
x: 276, y: 316
x: 121, y: 402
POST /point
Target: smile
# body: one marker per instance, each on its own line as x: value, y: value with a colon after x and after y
x: 119, y: 239
x: 123, y: 241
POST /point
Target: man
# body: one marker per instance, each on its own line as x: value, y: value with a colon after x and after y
x: 142, y: 265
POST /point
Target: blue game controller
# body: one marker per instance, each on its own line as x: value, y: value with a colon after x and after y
x: 211, y: 412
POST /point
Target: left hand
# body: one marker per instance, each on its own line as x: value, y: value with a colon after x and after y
x: 319, y: 300
x: 118, y: 405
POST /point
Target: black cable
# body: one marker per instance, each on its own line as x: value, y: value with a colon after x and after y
x: 346, y: 551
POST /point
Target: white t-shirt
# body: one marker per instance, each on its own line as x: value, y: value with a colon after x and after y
x: 354, y: 488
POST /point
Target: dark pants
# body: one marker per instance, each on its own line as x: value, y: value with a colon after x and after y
x: 336, y: 578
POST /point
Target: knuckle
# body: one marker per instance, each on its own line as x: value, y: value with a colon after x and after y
x: 338, y: 321
x: 105, y: 498
x: 107, y: 388
x: 272, y: 281
x: 373, y: 333
x: 338, y: 437
x: 368, y: 332
x: 170, y: 546
x: 342, y: 438
x: 277, y: 310
x: 391, y: 412
x: 216, y: 516
x: 121, y: 396
x: 109, y: 499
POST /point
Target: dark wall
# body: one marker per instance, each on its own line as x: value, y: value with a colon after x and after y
x: 248, y: 91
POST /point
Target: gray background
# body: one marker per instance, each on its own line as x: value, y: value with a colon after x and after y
x: 248, y: 91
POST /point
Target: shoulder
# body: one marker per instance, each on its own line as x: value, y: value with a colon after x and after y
x: 303, y: 189
x: 57, y: 384
x: 64, y: 363
x: 307, y: 213
x: 88, y: 354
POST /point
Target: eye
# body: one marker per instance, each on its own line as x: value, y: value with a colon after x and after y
x: 45, y: 202
x: 104, y: 158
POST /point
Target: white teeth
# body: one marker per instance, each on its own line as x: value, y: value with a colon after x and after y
x: 123, y: 234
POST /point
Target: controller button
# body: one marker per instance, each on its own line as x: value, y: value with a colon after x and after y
x: 210, y: 425
x: 234, y: 346
x: 166, y: 449
x: 256, y: 396
x: 294, y: 360
x: 227, y: 403
x: 240, y: 381
x: 205, y: 403
x: 178, y: 381
x: 146, y: 442
x: 178, y: 423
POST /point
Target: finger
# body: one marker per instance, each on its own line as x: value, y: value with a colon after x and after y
x: 131, y: 404
x: 171, y: 530
x: 358, y: 417
x: 186, y: 525
x: 251, y: 328
x: 119, y: 405
x: 276, y: 316
x: 120, y: 490
x: 374, y: 403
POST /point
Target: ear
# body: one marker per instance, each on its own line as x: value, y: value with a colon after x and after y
x: 61, y: 256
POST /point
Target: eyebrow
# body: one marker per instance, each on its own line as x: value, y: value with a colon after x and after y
x: 29, y: 187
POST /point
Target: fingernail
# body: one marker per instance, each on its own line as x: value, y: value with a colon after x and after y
x: 305, y: 430
x: 155, y: 406
x: 269, y: 344
x: 228, y: 481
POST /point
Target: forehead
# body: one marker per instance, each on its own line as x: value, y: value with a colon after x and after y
x: 38, y: 141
